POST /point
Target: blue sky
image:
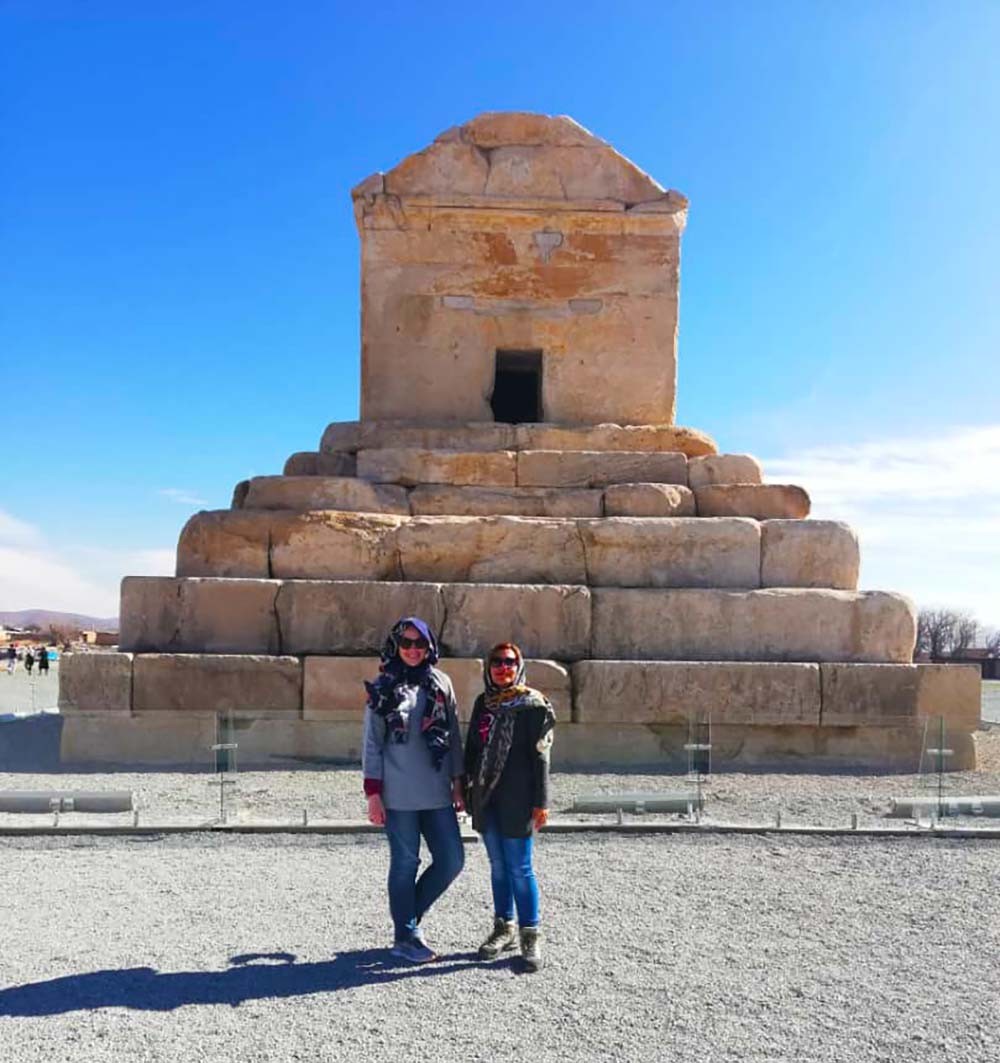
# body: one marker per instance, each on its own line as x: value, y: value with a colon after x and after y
x: 179, y: 278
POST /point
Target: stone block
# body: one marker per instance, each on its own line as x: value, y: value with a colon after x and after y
x: 172, y: 615
x: 648, y: 500
x: 333, y: 687
x: 671, y: 552
x: 336, y: 463
x: 301, y: 463
x: 580, y: 746
x: 809, y: 553
x: 333, y: 545
x: 244, y: 684
x: 762, y: 501
x: 412, y: 467
x: 342, y: 436
x: 240, y: 492
x: 325, y: 492
x: 663, y: 692
x: 404, y: 435
x: 613, y: 437
x: 723, y: 469
x: 350, y: 617
x: 894, y: 694
x: 225, y: 542
x: 490, y: 550
x: 545, y: 621
x: 290, y: 743
x: 439, y: 500
x: 762, y: 625
x: 592, y: 468
x: 155, y: 739
x: 95, y: 682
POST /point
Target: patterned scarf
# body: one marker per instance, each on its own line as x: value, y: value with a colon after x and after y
x: 386, y: 695
x: 496, y: 722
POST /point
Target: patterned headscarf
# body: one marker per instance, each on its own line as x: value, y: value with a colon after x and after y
x: 386, y: 693
x: 496, y: 723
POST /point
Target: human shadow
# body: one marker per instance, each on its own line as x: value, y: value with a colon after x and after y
x: 250, y: 976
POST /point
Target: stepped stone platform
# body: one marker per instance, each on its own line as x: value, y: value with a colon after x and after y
x: 516, y: 474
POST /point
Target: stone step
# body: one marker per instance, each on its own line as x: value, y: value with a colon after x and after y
x: 529, y: 468
x: 353, y: 495
x: 352, y: 436
x: 311, y: 463
x: 184, y: 739
x: 612, y: 712
x: 551, y: 621
x: 598, y: 552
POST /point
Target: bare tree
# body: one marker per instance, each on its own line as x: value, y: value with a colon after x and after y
x: 935, y: 631
x: 991, y: 643
x: 964, y: 634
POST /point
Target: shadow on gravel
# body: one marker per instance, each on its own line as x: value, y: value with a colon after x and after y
x: 251, y: 976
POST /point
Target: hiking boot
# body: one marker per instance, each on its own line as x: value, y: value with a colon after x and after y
x: 531, y: 951
x: 501, y: 939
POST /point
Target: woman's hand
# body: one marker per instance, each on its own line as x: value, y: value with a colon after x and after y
x: 539, y: 817
x: 376, y: 810
x: 457, y: 797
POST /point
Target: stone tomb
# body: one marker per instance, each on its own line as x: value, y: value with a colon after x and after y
x: 517, y: 473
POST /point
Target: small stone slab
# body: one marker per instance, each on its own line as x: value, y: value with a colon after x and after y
x: 723, y: 469
x: 761, y: 501
x: 648, y: 500
x: 439, y: 500
x: 890, y: 694
x: 613, y: 437
x: 671, y: 552
x: 344, y: 493
x: 412, y: 467
x: 761, y: 625
x: 675, y: 691
x: 251, y: 685
x: 582, y: 468
x: 95, y: 682
x: 809, y: 553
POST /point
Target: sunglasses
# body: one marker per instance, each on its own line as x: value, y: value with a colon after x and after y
x: 503, y: 662
x: 419, y: 643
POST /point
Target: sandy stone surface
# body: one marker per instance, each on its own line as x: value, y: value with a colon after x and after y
x: 809, y: 553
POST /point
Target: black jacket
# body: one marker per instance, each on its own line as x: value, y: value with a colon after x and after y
x: 524, y: 781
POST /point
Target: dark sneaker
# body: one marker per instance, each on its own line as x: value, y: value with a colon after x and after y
x: 414, y: 950
x: 501, y: 939
x: 531, y: 952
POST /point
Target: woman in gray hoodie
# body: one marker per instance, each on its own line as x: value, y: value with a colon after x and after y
x: 412, y: 765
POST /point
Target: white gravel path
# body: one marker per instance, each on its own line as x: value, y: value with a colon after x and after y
x: 680, y: 948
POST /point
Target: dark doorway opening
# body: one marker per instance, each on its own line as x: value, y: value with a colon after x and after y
x: 517, y: 387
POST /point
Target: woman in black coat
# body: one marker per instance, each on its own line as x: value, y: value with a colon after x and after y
x: 507, y: 775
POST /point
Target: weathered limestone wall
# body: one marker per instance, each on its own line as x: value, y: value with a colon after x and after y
x: 519, y: 232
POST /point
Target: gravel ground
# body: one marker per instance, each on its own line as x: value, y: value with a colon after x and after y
x: 828, y: 799
x: 702, y: 948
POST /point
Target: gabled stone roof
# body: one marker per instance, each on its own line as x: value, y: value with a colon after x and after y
x: 516, y: 155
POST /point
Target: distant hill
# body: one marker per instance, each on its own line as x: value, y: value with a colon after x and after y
x: 45, y: 618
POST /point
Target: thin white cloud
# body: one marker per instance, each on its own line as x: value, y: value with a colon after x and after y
x: 927, y: 512
x: 182, y: 497
x: 36, y: 575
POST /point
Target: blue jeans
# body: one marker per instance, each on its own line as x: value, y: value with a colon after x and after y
x: 511, y: 874
x: 411, y: 897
